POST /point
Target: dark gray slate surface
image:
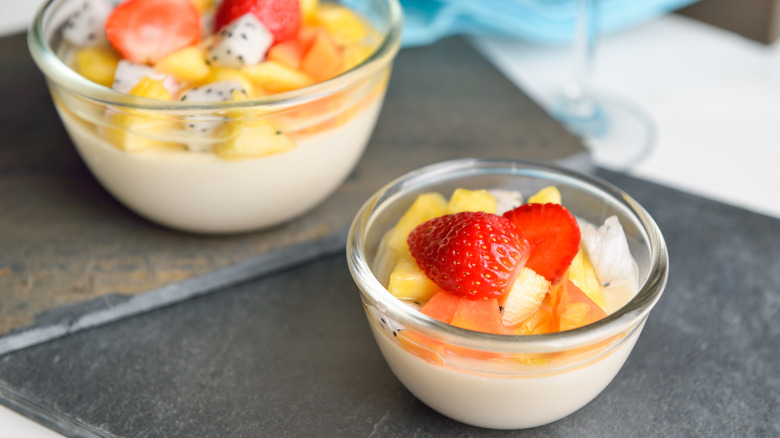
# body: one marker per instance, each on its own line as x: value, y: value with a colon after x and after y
x: 71, y: 257
x: 291, y: 354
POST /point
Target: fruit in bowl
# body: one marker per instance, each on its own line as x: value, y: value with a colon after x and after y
x: 514, y: 302
x: 218, y: 116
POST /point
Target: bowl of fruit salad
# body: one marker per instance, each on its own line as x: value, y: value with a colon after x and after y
x: 505, y: 294
x: 218, y: 116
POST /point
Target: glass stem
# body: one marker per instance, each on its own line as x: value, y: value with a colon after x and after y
x: 584, y: 45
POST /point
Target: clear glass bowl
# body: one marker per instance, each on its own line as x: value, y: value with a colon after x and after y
x: 503, y: 381
x: 329, y: 124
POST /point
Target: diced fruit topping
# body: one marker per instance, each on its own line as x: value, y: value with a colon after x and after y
x: 408, y: 282
x: 97, y: 64
x: 471, y: 200
x: 281, y: 17
x: 244, y: 41
x: 441, y: 306
x: 478, y: 315
x: 546, y: 195
x: 524, y: 297
x: 85, y: 28
x: 554, y: 236
x: 323, y: 59
x: 575, y: 309
x: 476, y: 270
x: 128, y: 74
x: 186, y: 65
x: 472, y: 254
x: 424, y: 208
x: 582, y: 274
x: 607, y: 247
x: 144, y: 31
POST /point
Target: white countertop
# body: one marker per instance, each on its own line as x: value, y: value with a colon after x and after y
x: 714, y: 98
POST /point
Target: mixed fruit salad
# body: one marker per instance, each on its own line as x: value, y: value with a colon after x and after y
x: 207, y: 51
x: 486, y: 261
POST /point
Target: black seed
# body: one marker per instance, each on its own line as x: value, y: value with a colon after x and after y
x: 500, y: 309
x: 183, y: 98
x: 243, y: 35
x: 229, y: 52
x: 395, y: 333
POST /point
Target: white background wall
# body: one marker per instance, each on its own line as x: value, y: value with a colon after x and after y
x: 16, y: 15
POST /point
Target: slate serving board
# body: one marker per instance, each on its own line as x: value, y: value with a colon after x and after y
x: 291, y: 354
x: 72, y: 257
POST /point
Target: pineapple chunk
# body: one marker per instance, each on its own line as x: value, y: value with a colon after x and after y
x: 582, y: 274
x: 201, y: 5
x: 409, y: 282
x: 309, y: 10
x: 426, y: 207
x: 138, y: 130
x: 472, y: 200
x: 549, y: 194
x: 187, y: 64
x: 342, y: 24
x: 251, y: 139
x: 97, y: 64
x: 354, y: 55
x: 226, y: 74
x: 275, y: 77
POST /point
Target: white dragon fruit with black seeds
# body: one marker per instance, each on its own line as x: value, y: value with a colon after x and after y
x: 202, y: 126
x: 243, y: 42
x: 127, y: 75
x: 85, y: 27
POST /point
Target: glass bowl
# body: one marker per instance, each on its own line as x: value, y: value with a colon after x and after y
x: 503, y: 381
x: 144, y: 152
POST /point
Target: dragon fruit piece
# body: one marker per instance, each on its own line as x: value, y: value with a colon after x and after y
x: 220, y: 91
x: 243, y: 42
x: 85, y: 27
x: 202, y: 126
x: 127, y: 75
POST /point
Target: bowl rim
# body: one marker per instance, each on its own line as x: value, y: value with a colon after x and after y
x: 60, y: 73
x: 624, y: 320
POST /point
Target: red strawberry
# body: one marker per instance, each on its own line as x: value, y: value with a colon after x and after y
x: 144, y: 31
x: 554, y: 236
x: 281, y: 17
x: 472, y: 254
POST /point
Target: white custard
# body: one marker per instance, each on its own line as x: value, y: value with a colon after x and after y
x: 496, y: 400
x: 200, y: 192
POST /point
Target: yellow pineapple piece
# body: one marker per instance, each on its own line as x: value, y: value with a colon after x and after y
x: 187, y: 64
x: 275, y: 77
x: 309, y: 10
x: 426, y: 207
x: 549, y: 194
x: 135, y: 130
x: 97, y: 64
x: 202, y: 5
x: 471, y: 200
x: 342, y: 24
x: 582, y: 274
x: 251, y: 139
x: 409, y: 282
x: 354, y: 55
x: 225, y: 74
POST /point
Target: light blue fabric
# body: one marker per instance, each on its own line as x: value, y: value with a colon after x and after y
x: 544, y: 21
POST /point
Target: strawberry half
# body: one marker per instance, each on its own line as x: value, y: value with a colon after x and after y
x: 143, y: 31
x: 554, y: 236
x: 281, y: 17
x: 471, y: 254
